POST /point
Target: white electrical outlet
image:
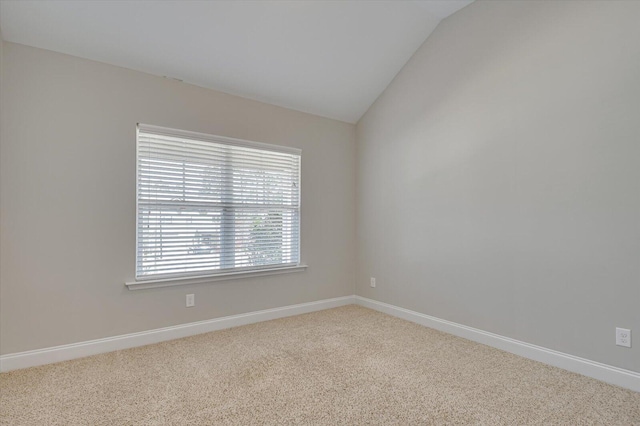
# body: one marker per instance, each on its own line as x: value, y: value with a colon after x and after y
x: 623, y: 337
x: 373, y: 282
x: 191, y: 300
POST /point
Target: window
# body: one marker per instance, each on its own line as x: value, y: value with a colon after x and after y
x: 211, y: 205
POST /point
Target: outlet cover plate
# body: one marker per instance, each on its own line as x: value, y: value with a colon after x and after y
x: 623, y: 337
x: 191, y: 300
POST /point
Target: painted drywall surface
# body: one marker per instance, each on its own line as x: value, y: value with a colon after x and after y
x: 68, y: 200
x: 1, y: 138
x: 498, y: 177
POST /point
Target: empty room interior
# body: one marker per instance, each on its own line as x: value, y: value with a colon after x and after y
x: 319, y: 212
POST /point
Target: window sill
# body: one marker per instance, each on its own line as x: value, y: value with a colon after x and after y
x: 169, y: 282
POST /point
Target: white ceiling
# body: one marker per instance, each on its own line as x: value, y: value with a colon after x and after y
x: 331, y: 58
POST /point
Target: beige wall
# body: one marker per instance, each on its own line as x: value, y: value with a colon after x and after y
x: 1, y: 139
x: 68, y: 200
x: 498, y: 176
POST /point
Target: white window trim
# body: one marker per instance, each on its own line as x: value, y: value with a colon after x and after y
x: 200, y: 279
x: 147, y: 283
x: 213, y: 138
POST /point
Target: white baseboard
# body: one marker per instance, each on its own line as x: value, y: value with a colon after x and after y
x: 607, y: 373
x: 93, y: 347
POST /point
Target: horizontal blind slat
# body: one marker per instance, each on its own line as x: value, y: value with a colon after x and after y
x: 206, y: 271
x: 224, y: 155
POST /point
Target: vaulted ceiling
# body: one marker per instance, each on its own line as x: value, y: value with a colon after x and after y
x: 330, y: 58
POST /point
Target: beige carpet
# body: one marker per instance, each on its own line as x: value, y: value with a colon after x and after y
x: 349, y: 366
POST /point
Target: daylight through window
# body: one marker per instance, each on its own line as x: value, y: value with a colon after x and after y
x: 207, y: 204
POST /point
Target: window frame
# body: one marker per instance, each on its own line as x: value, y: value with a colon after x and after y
x: 162, y: 280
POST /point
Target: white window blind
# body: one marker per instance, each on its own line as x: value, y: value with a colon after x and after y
x: 207, y: 204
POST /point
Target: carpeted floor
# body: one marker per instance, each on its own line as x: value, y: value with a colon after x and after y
x: 348, y: 366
